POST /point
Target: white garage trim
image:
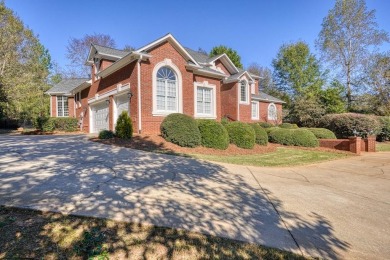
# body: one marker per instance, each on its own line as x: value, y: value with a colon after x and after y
x: 121, y: 103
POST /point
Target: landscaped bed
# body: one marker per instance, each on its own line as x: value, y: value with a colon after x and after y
x: 270, y: 155
x: 28, y: 234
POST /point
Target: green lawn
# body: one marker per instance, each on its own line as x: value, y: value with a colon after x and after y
x: 383, y: 147
x: 282, y: 157
x: 29, y: 234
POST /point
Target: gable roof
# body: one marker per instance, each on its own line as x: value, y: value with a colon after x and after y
x: 198, y: 56
x: 267, y: 98
x: 105, y: 52
x: 65, y: 86
x: 169, y: 37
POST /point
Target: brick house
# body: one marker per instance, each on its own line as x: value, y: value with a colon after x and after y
x: 160, y: 78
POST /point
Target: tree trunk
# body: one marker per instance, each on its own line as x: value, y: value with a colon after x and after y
x: 349, y: 91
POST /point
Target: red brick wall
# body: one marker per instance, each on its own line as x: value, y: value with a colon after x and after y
x: 219, y: 64
x: 229, y: 99
x: 338, y: 144
x: 150, y: 123
x: 105, y: 63
x: 71, y: 107
x: 84, y: 109
x: 264, y: 113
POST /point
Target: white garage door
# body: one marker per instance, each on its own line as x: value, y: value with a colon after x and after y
x: 100, y: 117
x: 122, y: 104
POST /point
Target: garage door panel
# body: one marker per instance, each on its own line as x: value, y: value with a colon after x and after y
x: 100, y: 116
x: 122, y: 104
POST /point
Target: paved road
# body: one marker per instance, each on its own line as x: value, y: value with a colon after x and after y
x: 338, y: 209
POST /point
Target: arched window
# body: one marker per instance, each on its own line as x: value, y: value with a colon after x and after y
x: 272, y: 112
x: 244, y: 92
x: 166, y: 90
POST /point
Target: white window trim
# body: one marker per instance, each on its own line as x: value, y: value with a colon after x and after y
x: 179, y: 81
x: 246, y: 102
x: 276, y: 110
x: 63, y: 107
x: 257, y: 110
x: 205, y: 84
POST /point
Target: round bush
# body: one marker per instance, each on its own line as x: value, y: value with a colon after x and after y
x: 266, y: 125
x: 288, y: 126
x: 181, y: 129
x: 48, y: 125
x: 124, y: 126
x: 106, y: 134
x: 241, y: 134
x: 270, y: 129
x: 384, y: 134
x: 261, y: 134
x: 322, y: 133
x: 293, y: 137
x: 350, y: 124
x: 304, y: 137
x: 214, y: 135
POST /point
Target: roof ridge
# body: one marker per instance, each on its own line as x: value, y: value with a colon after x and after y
x: 108, y: 47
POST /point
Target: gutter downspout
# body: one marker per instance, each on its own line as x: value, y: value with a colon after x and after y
x: 139, y: 94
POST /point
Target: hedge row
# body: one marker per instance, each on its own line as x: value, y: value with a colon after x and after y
x: 50, y: 124
x: 350, y: 124
x: 294, y: 137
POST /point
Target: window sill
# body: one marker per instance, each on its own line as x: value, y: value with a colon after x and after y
x: 159, y: 113
x: 205, y: 117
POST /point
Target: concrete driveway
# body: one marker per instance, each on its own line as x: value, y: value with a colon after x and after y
x: 338, y: 209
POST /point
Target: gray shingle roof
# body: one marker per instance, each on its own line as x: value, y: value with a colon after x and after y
x: 110, y: 51
x: 65, y: 86
x: 265, y: 97
x: 198, y: 56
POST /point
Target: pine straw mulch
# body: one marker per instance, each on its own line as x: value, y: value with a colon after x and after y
x: 155, y: 143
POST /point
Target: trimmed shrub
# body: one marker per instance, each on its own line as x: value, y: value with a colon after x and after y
x: 350, y: 124
x: 181, y: 129
x: 288, y: 126
x: 224, y: 121
x: 106, y: 134
x: 124, y: 126
x: 293, y: 137
x: 384, y: 134
x: 260, y: 134
x: 266, y: 125
x: 214, y: 135
x: 304, y: 137
x: 49, y: 124
x: 270, y: 129
x: 67, y: 124
x: 322, y: 133
x: 241, y: 134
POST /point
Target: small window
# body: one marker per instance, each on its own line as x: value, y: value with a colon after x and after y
x: 255, y: 110
x: 204, y: 101
x: 272, y: 112
x: 244, y: 92
x: 62, y: 106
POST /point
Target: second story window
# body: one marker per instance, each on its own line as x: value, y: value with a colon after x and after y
x: 244, y: 92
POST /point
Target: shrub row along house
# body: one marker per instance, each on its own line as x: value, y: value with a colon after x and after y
x: 158, y: 79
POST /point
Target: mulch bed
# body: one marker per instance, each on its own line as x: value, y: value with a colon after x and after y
x: 155, y: 143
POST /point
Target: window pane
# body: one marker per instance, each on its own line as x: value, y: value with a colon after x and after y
x: 204, y: 101
x: 166, y: 92
x: 243, y: 91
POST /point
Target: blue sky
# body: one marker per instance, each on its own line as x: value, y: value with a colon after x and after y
x: 256, y: 29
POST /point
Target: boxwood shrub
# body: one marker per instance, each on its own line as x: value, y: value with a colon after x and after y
x: 181, y: 129
x: 322, y: 133
x: 350, y: 124
x: 293, y: 137
x: 214, y: 134
x: 124, y: 126
x: 241, y: 134
x: 288, y: 125
x: 266, y: 125
x: 260, y: 134
x: 49, y: 124
x: 106, y: 134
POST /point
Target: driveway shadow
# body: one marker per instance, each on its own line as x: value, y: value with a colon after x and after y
x: 73, y: 175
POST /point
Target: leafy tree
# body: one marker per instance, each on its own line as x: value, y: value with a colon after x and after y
x: 78, y: 48
x: 349, y: 32
x: 232, y: 54
x: 379, y: 82
x: 306, y: 112
x: 24, y: 67
x: 332, y: 98
x: 202, y: 51
x: 297, y: 71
